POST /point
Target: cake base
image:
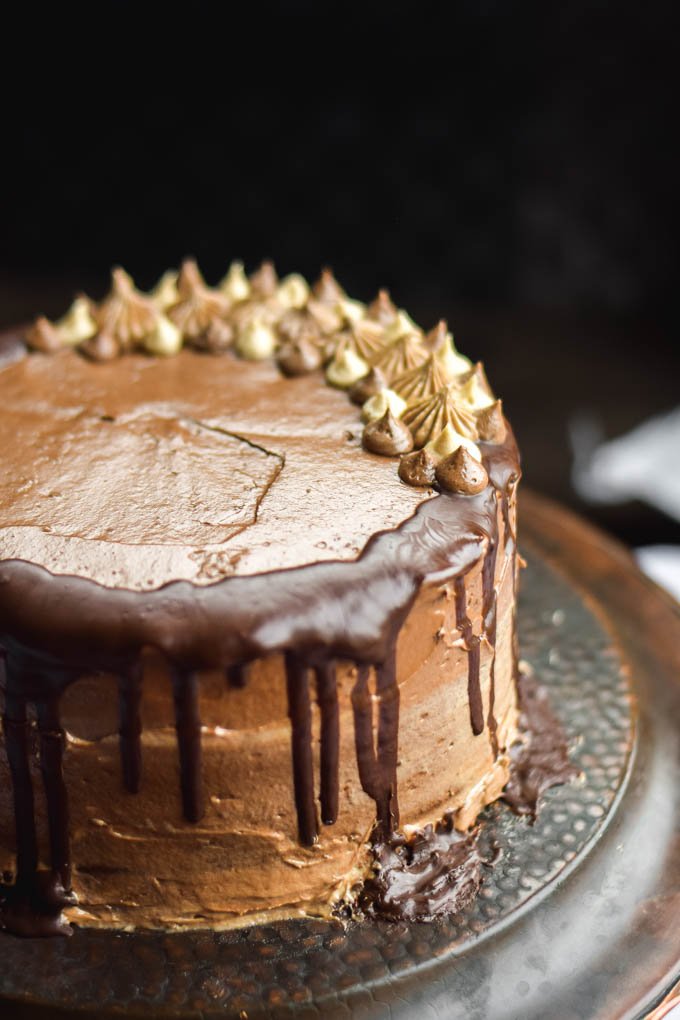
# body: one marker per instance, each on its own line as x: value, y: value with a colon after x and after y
x: 578, y: 915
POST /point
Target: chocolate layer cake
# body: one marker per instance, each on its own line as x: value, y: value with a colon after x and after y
x: 257, y: 605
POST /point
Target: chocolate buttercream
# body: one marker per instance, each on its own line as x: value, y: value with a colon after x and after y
x: 417, y: 468
x: 368, y: 386
x: 491, y: 423
x: 102, y: 347
x: 387, y: 436
x: 461, y: 472
x: 312, y: 616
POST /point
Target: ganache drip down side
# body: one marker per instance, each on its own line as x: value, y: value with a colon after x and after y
x: 82, y: 628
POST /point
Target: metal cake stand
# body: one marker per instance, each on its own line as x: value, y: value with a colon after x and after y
x: 579, y: 919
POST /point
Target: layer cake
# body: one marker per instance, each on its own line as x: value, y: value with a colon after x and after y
x: 257, y: 605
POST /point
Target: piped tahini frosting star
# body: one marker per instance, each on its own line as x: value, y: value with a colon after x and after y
x: 475, y: 390
x: 165, y: 293
x: 401, y: 355
x: 125, y: 314
x: 198, y: 305
x: 430, y: 416
x: 440, y: 341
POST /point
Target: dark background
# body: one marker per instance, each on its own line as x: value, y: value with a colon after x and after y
x: 512, y: 167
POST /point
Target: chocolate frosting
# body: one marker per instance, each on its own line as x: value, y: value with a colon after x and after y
x: 417, y: 468
x: 369, y: 386
x: 461, y: 472
x: 387, y: 436
x: 58, y: 627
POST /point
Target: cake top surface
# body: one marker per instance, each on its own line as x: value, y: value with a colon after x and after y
x: 142, y: 472
x: 202, y: 433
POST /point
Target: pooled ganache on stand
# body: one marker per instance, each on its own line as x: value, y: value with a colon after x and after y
x: 257, y: 604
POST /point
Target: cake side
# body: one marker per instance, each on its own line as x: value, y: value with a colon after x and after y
x: 138, y: 863
x: 413, y: 619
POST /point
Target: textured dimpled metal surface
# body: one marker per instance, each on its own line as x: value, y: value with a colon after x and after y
x: 318, y: 969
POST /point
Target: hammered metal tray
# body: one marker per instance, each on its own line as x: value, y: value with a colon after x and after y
x: 578, y: 918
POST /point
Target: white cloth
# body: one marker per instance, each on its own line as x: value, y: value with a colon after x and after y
x: 645, y: 465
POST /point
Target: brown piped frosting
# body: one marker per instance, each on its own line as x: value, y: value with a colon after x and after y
x: 44, y: 336
x: 102, y: 347
x: 298, y: 324
x: 491, y: 425
x: 368, y: 386
x: 264, y: 281
x: 461, y: 472
x: 387, y: 436
x: 216, y: 338
x: 417, y: 468
x: 298, y: 357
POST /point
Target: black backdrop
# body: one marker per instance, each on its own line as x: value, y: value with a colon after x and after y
x: 512, y: 166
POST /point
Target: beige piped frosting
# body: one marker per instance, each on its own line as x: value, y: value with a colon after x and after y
x: 385, y: 400
x: 450, y: 361
x: 415, y: 389
x: 346, y: 369
x: 475, y: 390
x: 448, y: 441
x: 235, y: 285
x: 165, y: 293
x: 402, y: 325
x: 78, y: 324
x: 256, y: 341
x: 165, y: 339
x: 293, y: 291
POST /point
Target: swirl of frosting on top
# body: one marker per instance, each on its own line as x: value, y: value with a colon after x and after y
x: 429, y: 417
